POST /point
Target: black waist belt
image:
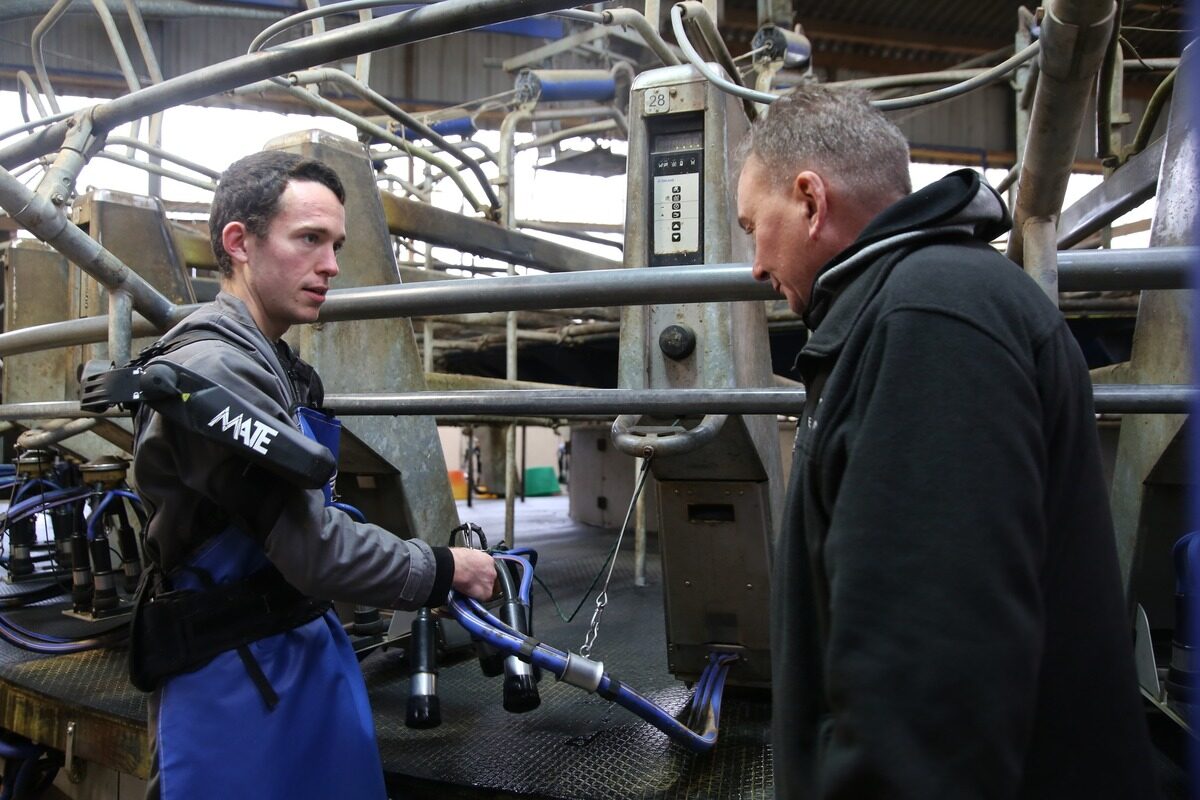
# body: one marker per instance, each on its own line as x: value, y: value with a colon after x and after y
x: 181, y: 631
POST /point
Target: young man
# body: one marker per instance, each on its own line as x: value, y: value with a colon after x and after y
x: 285, y: 714
x: 947, y: 617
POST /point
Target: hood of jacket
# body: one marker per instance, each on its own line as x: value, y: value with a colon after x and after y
x: 957, y: 206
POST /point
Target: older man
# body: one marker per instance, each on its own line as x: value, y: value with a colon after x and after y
x: 948, y: 620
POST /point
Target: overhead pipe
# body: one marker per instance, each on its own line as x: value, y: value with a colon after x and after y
x: 426, y: 22
x: 1152, y: 268
x: 159, y: 171
x: 694, y: 13
x: 151, y: 60
x: 16, y: 9
x: 35, y: 50
x: 1075, y: 35
x: 340, y: 78
x: 370, y: 128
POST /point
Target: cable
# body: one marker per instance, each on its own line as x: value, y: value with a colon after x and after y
x: 272, y: 30
x: 98, y: 511
x: 610, y: 558
x: 21, y: 489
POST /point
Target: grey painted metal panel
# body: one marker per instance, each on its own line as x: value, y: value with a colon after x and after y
x: 1126, y: 189
x: 1148, y: 517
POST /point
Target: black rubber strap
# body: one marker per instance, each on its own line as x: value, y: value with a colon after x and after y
x: 528, y: 645
x: 254, y: 670
x: 614, y: 687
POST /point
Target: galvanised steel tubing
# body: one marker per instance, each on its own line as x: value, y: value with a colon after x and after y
x: 35, y: 47
x: 449, y: 16
x: 37, y: 123
x: 649, y: 33
x: 568, y: 133
x: 317, y: 17
x: 120, y: 323
x: 400, y: 115
x: 1148, y: 268
x: 365, y: 125
x: 15, y: 9
x: 1075, y: 36
x: 962, y: 74
x: 153, y: 150
x: 155, y: 169
x: 34, y: 93
x: 1109, y: 399
x: 1153, y: 268
x: 46, y: 221
x: 696, y: 13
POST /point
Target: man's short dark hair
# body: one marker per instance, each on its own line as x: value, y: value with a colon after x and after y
x: 249, y: 192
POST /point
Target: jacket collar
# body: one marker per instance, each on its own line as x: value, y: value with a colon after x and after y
x: 233, y: 306
x: 958, y: 205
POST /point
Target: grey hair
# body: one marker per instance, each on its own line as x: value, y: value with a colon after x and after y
x: 833, y: 130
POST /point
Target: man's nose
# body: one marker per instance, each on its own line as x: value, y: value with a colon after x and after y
x: 757, y: 270
x: 329, y: 264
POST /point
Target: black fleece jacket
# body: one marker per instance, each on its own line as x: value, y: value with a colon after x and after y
x: 947, y: 618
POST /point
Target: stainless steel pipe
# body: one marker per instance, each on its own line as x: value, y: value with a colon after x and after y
x: 1109, y: 398
x: 1154, y: 268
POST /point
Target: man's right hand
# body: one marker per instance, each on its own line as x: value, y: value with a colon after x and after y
x: 474, y: 573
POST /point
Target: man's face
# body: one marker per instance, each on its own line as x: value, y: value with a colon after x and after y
x: 288, y: 270
x: 779, y: 226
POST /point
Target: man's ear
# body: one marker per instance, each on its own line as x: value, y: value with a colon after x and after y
x: 809, y: 191
x: 234, y: 239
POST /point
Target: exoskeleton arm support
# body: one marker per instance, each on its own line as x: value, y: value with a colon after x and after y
x: 210, y: 410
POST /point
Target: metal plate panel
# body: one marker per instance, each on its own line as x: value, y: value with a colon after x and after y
x: 1161, y: 354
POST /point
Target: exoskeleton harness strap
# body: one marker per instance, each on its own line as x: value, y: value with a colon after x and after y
x: 180, y: 631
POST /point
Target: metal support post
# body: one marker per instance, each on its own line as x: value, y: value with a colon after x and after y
x: 1041, y: 253
x: 120, y: 326
x: 1075, y: 35
x: 1021, y: 80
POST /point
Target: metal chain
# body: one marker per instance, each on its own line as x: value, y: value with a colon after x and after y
x: 589, y: 639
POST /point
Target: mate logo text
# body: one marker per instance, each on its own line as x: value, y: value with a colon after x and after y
x: 252, y: 433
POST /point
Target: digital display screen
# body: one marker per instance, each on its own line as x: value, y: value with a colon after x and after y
x: 674, y: 142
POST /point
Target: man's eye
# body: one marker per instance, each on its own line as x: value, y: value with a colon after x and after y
x: 337, y: 247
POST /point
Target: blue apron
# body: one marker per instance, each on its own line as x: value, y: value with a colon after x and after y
x: 218, y: 738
